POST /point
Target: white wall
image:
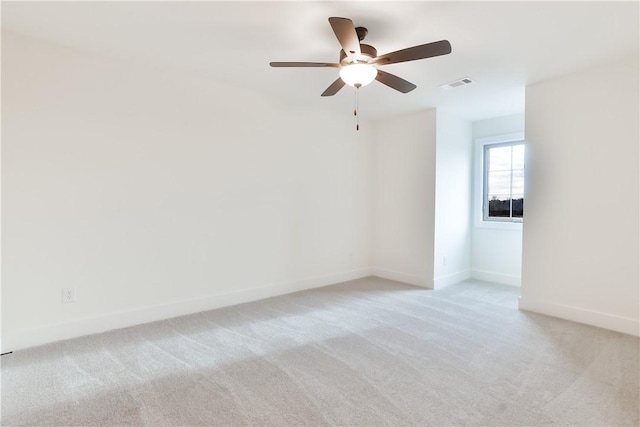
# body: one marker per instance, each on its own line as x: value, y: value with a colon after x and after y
x: 496, y: 248
x: 580, y: 253
x: 452, y: 246
x: 156, y: 194
x: 405, y: 155
x: 513, y: 123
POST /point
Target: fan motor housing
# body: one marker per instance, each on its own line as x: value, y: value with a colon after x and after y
x: 368, y: 52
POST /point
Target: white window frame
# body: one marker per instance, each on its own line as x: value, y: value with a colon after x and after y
x: 479, y: 182
x: 485, y: 178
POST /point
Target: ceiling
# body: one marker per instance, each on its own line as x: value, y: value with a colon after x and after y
x: 502, y: 46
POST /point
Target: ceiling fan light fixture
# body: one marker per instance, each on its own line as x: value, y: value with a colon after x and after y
x: 358, y: 75
x: 359, y: 61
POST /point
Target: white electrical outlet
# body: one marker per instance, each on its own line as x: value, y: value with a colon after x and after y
x: 68, y: 295
x: 444, y: 260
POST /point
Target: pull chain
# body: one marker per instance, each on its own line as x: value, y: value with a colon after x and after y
x: 355, y: 102
x: 357, y: 107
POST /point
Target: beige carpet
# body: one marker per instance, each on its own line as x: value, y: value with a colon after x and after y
x: 367, y: 352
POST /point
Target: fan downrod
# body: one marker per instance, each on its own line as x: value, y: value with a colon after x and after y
x: 361, y: 32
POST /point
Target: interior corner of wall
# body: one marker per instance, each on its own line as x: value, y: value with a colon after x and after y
x: 403, y: 277
x: 450, y: 279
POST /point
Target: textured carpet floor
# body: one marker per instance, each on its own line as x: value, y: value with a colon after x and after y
x: 366, y: 352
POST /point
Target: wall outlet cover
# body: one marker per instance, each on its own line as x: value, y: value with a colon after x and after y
x: 68, y: 295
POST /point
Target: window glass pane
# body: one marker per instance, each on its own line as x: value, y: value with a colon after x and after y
x: 499, y: 183
x: 518, y: 156
x: 500, y: 158
x: 500, y: 206
x: 517, y: 182
x: 517, y: 205
x: 504, y: 181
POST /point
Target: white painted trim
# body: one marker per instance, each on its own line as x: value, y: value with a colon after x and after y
x: 497, y: 139
x: 398, y: 276
x: 581, y: 315
x: 20, y: 339
x: 450, y: 279
x: 490, y: 276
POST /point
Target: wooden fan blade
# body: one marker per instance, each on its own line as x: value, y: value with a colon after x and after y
x: 303, y: 64
x: 346, y: 33
x: 429, y: 50
x: 395, y: 82
x: 334, y: 88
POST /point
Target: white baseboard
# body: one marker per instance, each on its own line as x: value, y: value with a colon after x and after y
x: 450, y: 279
x: 581, y: 315
x: 489, y: 276
x: 399, y: 276
x: 21, y: 339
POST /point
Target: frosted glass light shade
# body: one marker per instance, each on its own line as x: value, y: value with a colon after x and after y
x: 358, y: 74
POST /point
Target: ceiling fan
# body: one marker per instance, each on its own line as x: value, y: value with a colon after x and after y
x: 359, y: 62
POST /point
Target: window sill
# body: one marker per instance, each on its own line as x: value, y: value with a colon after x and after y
x: 499, y: 225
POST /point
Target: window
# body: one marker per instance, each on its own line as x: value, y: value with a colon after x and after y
x: 503, y: 195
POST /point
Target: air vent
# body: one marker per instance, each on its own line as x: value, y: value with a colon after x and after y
x: 457, y: 83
